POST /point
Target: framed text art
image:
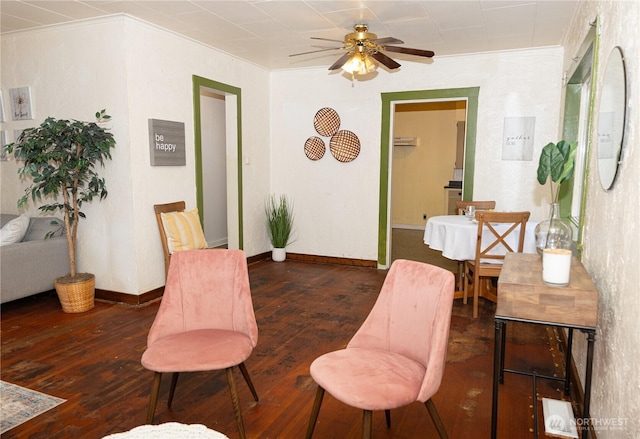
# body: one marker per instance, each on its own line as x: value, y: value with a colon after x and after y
x: 166, y: 143
x: 517, y: 141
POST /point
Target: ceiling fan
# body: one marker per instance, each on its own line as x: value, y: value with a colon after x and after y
x: 363, y: 45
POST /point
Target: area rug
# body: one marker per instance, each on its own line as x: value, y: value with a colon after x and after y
x: 18, y: 405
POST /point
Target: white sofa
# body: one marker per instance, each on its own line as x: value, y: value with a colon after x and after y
x: 29, y: 267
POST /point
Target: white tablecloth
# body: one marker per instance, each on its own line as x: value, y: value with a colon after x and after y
x: 456, y: 236
x: 172, y: 430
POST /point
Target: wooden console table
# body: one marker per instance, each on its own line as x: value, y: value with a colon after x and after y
x: 524, y: 297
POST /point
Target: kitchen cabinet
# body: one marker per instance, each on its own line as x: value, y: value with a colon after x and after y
x: 452, y: 195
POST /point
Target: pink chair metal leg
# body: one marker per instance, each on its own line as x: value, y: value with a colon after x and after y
x: 236, y: 402
x: 247, y: 378
x: 153, y: 398
x: 436, y: 418
x: 314, y: 412
x: 172, y: 390
x: 366, y: 424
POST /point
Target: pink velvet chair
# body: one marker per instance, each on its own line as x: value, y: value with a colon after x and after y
x: 398, y: 354
x: 205, y: 322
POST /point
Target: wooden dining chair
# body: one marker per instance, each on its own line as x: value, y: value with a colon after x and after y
x: 492, y: 245
x: 177, y: 206
x: 479, y: 205
x: 461, y: 206
x: 179, y: 229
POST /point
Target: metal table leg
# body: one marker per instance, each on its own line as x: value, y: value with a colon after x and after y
x: 535, y: 405
x: 567, y: 366
x: 497, y: 349
x: 503, y: 340
x: 586, y: 424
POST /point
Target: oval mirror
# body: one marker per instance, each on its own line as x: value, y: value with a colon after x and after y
x: 611, y: 119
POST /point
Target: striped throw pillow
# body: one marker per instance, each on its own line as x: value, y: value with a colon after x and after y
x: 183, y: 230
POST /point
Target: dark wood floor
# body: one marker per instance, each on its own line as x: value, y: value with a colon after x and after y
x: 303, y: 310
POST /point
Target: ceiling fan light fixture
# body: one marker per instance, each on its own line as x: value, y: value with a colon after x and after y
x: 359, y: 64
x: 369, y: 64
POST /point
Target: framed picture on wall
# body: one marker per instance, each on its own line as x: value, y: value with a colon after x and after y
x: 16, y: 134
x: 3, y: 141
x: 2, y: 119
x: 21, y: 108
x: 517, y: 139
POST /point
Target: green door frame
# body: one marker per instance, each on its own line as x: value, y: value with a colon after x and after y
x: 225, y: 89
x: 388, y: 100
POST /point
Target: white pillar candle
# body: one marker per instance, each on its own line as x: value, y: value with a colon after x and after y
x: 556, y: 266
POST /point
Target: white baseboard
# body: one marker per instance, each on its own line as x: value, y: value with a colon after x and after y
x: 218, y: 242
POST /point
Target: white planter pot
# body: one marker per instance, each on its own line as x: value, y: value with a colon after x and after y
x: 278, y: 254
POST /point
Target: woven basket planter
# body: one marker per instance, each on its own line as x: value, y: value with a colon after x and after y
x: 76, y: 296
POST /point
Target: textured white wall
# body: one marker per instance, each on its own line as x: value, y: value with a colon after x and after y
x: 337, y: 203
x: 165, y: 64
x: 612, y: 233
x: 136, y: 72
x: 74, y: 71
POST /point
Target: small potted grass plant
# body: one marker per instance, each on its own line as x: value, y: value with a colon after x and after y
x: 279, y: 212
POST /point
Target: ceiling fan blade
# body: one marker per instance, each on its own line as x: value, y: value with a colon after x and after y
x: 387, y: 40
x: 327, y: 39
x: 343, y: 59
x: 314, y: 51
x: 384, y: 59
x: 418, y: 52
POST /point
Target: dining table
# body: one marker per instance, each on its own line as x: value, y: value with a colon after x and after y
x: 456, y: 237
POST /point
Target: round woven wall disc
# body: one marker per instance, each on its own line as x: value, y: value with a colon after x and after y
x: 326, y: 122
x: 345, y: 146
x: 314, y: 148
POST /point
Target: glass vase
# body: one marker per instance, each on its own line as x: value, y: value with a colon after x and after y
x: 553, y: 232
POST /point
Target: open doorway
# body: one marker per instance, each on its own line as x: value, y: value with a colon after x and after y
x: 427, y: 167
x: 214, y: 161
x: 218, y: 148
x: 389, y: 102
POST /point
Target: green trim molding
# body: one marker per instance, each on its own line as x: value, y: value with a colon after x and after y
x: 226, y: 89
x: 585, y: 73
x: 388, y: 100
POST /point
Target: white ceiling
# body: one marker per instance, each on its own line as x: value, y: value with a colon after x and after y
x: 266, y: 32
